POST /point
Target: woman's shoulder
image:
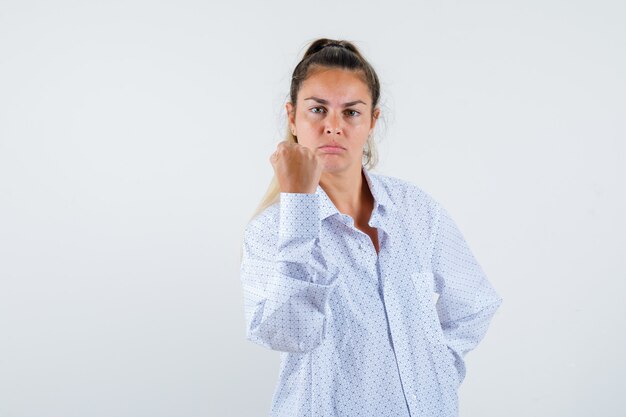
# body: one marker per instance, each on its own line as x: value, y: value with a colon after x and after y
x: 403, y: 192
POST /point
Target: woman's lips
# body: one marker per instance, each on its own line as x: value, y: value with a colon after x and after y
x: 332, y: 149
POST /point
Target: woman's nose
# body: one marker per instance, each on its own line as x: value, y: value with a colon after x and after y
x: 333, y: 125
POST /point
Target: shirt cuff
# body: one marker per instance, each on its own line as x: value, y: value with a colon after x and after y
x: 299, y: 216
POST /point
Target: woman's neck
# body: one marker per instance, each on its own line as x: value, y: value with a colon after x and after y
x: 348, y: 191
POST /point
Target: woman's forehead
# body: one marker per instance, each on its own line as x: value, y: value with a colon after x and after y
x: 334, y: 84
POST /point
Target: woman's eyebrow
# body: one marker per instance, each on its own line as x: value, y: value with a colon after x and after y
x: 348, y: 104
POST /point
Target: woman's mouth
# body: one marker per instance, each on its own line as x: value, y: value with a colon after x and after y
x: 332, y: 149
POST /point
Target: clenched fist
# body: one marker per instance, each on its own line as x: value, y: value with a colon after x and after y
x: 297, y: 168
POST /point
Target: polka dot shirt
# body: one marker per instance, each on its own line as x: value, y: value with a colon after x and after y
x: 360, y: 333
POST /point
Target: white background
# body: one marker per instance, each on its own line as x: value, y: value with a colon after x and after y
x: 134, y: 145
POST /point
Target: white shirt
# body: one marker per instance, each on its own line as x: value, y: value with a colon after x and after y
x: 364, y: 334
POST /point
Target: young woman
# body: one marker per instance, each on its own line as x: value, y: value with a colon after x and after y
x: 341, y: 266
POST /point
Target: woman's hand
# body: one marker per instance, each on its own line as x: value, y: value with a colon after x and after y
x: 297, y: 168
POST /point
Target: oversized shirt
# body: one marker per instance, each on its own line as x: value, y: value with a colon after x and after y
x: 360, y: 333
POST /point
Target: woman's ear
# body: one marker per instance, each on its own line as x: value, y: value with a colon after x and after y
x: 375, y: 115
x: 291, y: 116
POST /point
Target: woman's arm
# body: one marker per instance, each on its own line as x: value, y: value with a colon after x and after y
x: 285, y: 278
x: 467, y: 301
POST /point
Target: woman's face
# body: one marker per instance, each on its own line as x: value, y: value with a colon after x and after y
x: 333, y: 117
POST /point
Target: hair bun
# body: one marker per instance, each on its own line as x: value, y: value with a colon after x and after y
x: 334, y: 44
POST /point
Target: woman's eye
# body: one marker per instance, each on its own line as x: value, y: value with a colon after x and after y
x: 352, y: 113
x: 315, y: 109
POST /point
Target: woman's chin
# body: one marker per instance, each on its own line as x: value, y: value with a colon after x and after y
x: 334, y: 167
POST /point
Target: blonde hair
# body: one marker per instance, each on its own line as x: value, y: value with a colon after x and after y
x: 328, y: 53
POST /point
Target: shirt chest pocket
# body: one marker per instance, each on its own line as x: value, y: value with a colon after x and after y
x: 425, y: 301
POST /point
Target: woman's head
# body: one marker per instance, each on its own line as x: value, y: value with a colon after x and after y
x: 331, y: 74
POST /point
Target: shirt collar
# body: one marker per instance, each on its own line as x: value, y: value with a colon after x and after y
x: 381, y: 198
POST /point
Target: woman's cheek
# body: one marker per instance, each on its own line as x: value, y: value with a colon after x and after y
x: 311, y: 119
x: 355, y: 121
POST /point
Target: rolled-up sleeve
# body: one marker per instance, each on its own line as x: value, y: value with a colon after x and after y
x: 286, y: 279
x: 467, y: 300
